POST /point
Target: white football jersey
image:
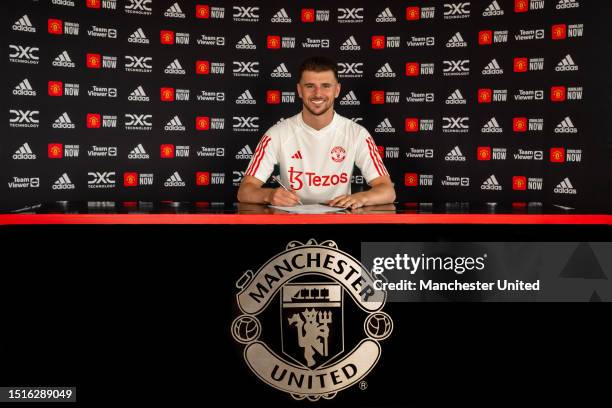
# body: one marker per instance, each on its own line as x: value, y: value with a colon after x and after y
x: 317, y: 164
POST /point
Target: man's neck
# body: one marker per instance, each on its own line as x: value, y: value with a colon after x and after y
x: 317, y: 122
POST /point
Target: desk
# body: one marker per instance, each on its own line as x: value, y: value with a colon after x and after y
x: 147, y: 305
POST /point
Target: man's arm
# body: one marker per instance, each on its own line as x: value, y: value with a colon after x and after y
x: 382, y: 192
x: 251, y: 191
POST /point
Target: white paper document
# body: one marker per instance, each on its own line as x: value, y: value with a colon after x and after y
x: 309, y: 209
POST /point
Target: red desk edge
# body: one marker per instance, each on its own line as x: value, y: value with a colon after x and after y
x: 295, y: 219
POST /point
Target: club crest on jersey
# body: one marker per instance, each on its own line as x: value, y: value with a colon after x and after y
x: 338, y: 154
x: 306, y: 350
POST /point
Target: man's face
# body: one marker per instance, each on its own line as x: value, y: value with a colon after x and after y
x: 318, y: 91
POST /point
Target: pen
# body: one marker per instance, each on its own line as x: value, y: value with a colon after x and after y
x: 283, y: 186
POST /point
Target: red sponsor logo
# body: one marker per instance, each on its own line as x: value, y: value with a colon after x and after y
x: 485, y: 37
x: 55, y: 150
x: 413, y: 69
x: 413, y: 13
x: 485, y: 95
x: 166, y: 37
x: 381, y: 150
x: 202, y: 178
x: 93, y: 120
x: 130, y: 179
x: 273, y: 97
x: 202, y: 11
x: 557, y: 154
x: 411, y: 125
x: 519, y: 124
x: 167, y: 94
x: 519, y: 183
x: 378, y: 97
x: 521, y: 6
x: 559, y: 32
x: 378, y: 42
x: 202, y: 67
x: 483, y: 153
x: 94, y: 61
x: 274, y: 42
x: 166, y: 151
x: 308, y: 15
x: 55, y: 26
x: 202, y: 123
x: 94, y: 4
x: 558, y: 94
x: 521, y: 64
x: 338, y: 154
x: 411, y: 179
x: 298, y: 178
x: 56, y: 88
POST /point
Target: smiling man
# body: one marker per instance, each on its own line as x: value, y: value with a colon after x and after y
x: 316, y: 151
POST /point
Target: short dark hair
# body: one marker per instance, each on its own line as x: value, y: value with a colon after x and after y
x: 318, y: 64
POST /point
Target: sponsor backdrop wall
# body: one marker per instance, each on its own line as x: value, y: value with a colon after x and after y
x: 132, y: 100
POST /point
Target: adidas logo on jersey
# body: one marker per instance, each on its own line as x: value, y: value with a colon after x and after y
x: 350, y: 99
x: 455, y: 155
x: 281, y: 17
x: 456, y: 41
x: 138, y: 95
x: 297, y: 155
x: 385, y: 127
x: 565, y: 187
x: 138, y: 153
x: 138, y: 37
x: 492, y: 126
x: 456, y: 98
x: 385, y: 72
x: 24, y: 88
x: 174, y: 12
x: 24, y: 24
x: 24, y: 153
x: 566, y: 126
x: 492, y: 68
x: 174, y: 180
x: 567, y: 4
x: 175, y: 68
x: 566, y: 64
x: 246, y: 99
x: 63, y: 183
x: 281, y: 72
x: 350, y: 45
x: 491, y: 184
x: 63, y: 122
x: 245, y: 153
x: 63, y: 60
x: 246, y: 43
x: 175, y: 124
x: 386, y: 16
x: 493, y: 10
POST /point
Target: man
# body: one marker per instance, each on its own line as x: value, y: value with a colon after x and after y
x: 316, y: 151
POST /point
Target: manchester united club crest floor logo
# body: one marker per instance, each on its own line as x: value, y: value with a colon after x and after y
x: 298, y: 321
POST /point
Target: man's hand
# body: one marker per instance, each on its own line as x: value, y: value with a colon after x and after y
x: 281, y: 197
x: 347, y: 201
x: 251, y: 191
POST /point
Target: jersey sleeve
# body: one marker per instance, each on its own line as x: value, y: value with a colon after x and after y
x: 264, y: 158
x: 368, y: 158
